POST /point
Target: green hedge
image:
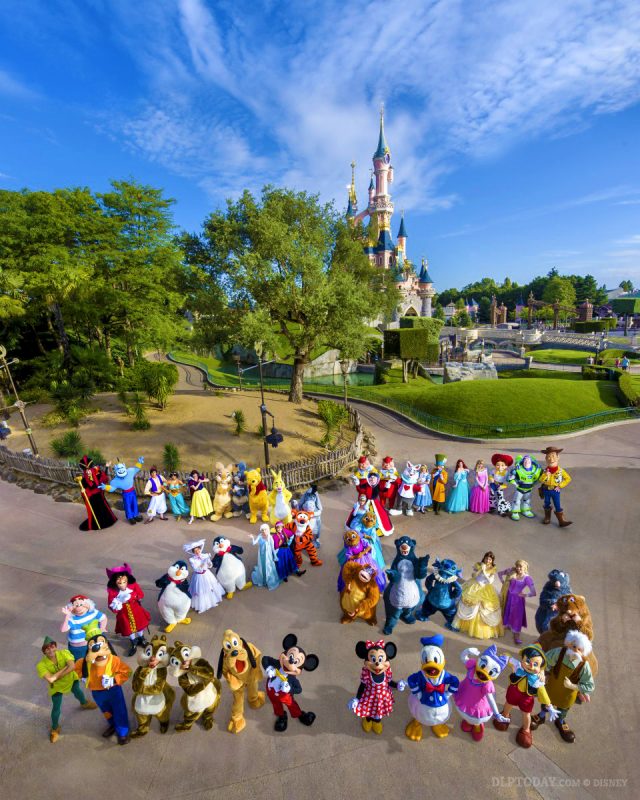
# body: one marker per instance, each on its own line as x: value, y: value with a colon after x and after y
x: 594, y: 325
x: 629, y: 387
x: 425, y: 323
x: 414, y: 343
x: 392, y: 344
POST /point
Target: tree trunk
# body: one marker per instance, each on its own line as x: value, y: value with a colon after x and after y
x: 63, y: 338
x: 295, y: 391
x: 38, y: 340
x: 107, y: 342
x: 405, y: 370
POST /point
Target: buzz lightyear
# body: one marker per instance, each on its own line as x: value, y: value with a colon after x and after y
x: 523, y: 476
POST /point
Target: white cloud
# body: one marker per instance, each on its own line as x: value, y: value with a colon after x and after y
x: 13, y: 87
x: 303, y: 82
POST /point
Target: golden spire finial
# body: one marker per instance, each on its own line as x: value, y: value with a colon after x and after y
x: 352, y: 188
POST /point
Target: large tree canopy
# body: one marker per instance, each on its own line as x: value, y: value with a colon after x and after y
x: 295, y: 269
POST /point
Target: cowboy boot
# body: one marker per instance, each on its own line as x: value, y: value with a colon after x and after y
x: 547, y: 516
x: 536, y: 721
x: 562, y: 522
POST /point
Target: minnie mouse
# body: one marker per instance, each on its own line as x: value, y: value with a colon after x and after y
x: 283, y: 683
x: 374, y: 699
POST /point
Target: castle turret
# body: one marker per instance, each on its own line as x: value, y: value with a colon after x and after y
x: 383, y: 207
x: 425, y: 289
x: 402, y: 236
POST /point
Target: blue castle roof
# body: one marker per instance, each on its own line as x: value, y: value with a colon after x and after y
x: 383, y: 147
x: 385, y: 243
x: 424, y: 275
x: 403, y: 230
x: 350, y: 211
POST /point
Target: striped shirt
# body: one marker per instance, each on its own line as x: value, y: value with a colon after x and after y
x: 77, y: 625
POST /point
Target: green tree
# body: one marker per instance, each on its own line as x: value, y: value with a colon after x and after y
x: 438, y: 312
x: 559, y: 290
x: 292, y: 264
x: 627, y: 285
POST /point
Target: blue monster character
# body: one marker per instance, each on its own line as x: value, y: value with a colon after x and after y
x: 404, y: 595
x: 558, y: 583
x: 124, y: 480
x: 443, y: 591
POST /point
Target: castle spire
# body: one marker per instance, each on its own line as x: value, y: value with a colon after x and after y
x: 383, y: 147
x: 402, y: 233
x: 352, y: 189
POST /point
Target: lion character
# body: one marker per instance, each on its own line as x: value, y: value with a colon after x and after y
x: 201, y: 689
x: 222, y: 502
x: 360, y: 595
x: 152, y: 695
x: 239, y: 662
x: 573, y: 615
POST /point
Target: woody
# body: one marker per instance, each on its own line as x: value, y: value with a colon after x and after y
x: 553, y: 479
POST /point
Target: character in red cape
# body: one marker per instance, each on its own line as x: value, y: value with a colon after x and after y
x: 99, y: 513
x: 371, y: 490
x: 124, y: 596
x: 389, y: 482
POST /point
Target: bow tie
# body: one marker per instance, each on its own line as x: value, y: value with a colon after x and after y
x: 439, y: 688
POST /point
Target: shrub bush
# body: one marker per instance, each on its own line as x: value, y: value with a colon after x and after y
x: 96, y: 456
x: 334, y: 416
x: 629, y: 389
x: 141, y: 420
x: 171, y: 458
x: 239, y: 421
x: 68, y: 446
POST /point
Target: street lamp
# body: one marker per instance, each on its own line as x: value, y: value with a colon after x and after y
x: 344, y: 367
x: 19, y: 404
x: 237, y: 359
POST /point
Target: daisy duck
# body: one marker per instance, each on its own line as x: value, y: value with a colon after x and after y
x: 123, y: 479
x: 431, y: 690
x: 475, y: 699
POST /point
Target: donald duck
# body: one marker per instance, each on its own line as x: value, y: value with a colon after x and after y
x: 431, y: 689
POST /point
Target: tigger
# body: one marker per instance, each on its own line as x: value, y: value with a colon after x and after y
x: 303, y: 539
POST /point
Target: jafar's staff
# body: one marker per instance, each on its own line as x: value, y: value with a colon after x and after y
x: 86, y: 500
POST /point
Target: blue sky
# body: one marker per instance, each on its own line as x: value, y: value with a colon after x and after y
x: 514, y: 126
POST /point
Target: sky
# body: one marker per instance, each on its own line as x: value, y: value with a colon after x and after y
x: 514, y: 125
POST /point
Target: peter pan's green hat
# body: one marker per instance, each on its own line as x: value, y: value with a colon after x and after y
x: 47, y: 641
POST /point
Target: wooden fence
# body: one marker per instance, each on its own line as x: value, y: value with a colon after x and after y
x: 294, y: 473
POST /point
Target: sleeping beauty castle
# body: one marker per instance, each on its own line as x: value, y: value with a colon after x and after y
x: 414, y: 283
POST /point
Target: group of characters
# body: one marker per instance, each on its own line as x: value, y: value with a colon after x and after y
x: 558, y: 670
x: 100, y: 671
x: 419, y: 488
x: 238, y: 491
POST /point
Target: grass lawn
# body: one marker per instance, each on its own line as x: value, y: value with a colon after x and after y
x: 561, y: 356
x: 546, y: 374
x: 522, y: 400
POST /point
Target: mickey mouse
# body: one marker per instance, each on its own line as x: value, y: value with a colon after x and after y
x: 282, y: 681
x: 374, y: 699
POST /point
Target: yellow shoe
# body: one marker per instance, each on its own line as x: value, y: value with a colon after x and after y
x: 186, y: 621
x: 377, y: 727
x: 53, y: 734
x: 88, y: 706
x: 229, y: 595
x: 440, y: 730
x: 247, y: 585
x: 367, y: 725
x: 413, y: 731
x: 169, y: 628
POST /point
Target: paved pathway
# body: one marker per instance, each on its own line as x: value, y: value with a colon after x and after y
x: 45, y: 559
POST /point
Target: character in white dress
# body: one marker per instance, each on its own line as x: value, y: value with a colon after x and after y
x: 205, y: 588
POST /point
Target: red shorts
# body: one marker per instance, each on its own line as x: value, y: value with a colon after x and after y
x: 519, y: 699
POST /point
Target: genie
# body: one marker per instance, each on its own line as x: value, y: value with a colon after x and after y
x: 123, y: 480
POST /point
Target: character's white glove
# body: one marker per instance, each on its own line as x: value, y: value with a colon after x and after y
x: 469, y: 652
x: 353, y: 704
x: 115, y: 604
x: 124, y: 596
x: 553, y: 713
x: 500, y: 718
x: 402, y: 685
x: 270, y: 672
x: 285, y: 687
x: 107, y: 682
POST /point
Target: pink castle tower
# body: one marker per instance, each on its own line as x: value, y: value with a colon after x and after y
x: 415, y: 284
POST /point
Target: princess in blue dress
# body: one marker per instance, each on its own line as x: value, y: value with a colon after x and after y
x: 423, y: 499
x: 458, y: 499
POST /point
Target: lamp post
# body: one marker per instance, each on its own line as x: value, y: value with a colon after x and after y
x: 19, y: 404
x: 344, y: 367
x: 236, y: 358
x: 263, y: 412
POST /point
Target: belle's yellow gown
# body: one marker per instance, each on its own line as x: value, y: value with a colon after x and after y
x: 479, y: 613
